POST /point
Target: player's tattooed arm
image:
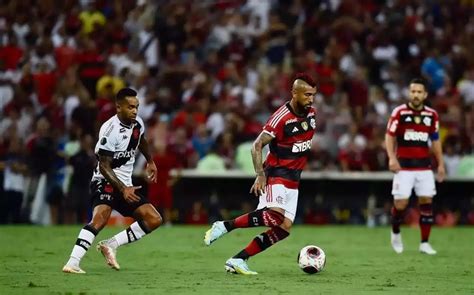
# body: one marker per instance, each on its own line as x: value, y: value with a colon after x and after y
x: 150, y: 169
x: 262, y: 140
x: 105, y: 167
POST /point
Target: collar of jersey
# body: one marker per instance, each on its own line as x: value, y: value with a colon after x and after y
x: 288, y: 105
x: 123, y: 125
x: 409, y: 107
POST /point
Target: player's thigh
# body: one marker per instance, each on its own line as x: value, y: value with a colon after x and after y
x: 425, y: 184
x: 279, y: 196
x: 402, y: 185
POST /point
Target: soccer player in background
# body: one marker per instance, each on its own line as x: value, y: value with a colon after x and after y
x: 289, y: 132
x: 411, y: 128
x: 111, y: 184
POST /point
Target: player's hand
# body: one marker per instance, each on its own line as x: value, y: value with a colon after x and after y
x: 441, y: 173
x: 258, y: 187
x: 393, y: 165
x: 129, y: 194
x: 150, y: 171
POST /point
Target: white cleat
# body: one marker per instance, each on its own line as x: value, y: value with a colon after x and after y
x: 427, y: 249
x: 397, y: 244
x: 216, y: 231
x: 73, y: 269
x: 238, y: 266
x: 109, y: 253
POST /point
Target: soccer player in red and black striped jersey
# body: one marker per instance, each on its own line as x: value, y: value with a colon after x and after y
x: 289, y: 133
x: 411, y: 129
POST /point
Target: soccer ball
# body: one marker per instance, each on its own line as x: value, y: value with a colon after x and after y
x: 311, y: 259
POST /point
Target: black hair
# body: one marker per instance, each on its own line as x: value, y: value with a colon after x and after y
x: 305, y: 77
x: 419, y: 81
x: 125, y: 92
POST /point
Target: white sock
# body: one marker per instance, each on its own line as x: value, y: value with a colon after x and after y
x: 135, y: 232
x: 84, y: 241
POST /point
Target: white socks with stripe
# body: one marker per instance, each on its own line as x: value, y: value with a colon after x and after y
x: 133, y: 233
x: 84, y: 241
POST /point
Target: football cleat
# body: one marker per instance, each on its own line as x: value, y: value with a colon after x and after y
x: 73, y: 269
x: 238, y: 266
x: 109, y: 254
x: 427, y: 249
x: 216, y: 231
x: 397, y: 244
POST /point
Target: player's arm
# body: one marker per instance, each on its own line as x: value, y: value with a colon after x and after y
x: 437, y: 150
x: 390, y: 146
x: 262, y: 140
x: 105, y: 168
x: 151, y: 169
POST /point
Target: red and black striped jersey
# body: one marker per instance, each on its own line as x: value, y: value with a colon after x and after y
x: 413, y: 130
x: 291, y: 144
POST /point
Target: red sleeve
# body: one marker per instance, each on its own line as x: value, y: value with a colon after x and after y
x: 392, y: 125
x: 275, y: 125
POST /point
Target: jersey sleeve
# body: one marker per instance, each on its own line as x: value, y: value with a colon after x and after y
x: 434, y: 130
x: 392, y: 125
x: 274, y: 126
x: 106, y: 145
x: 142, y: 128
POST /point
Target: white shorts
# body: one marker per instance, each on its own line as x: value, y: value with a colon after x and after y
x: 279, y: 196
x: 421, y: 180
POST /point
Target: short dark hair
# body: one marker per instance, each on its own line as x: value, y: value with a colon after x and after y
x: 419, y: 81
x: 305, y: 77
x: 125, y: 92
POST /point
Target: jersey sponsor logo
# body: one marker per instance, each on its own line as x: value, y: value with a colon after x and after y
x: 299, y: 147
x: 411, y: 135
x: 290, y: 121
x: 124, y: 154
x: 427, y: 121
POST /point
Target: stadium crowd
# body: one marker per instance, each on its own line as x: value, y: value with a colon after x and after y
x: 209, y: 73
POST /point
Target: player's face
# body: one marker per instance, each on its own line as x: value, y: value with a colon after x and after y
x: 304, y: 95
x: 128, y: 108
x: 417, y: 94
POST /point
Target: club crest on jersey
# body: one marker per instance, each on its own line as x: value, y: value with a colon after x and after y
x: 304, y: 125
x: 427, y: 121
x: 312, y: 122
x: 417, y: 120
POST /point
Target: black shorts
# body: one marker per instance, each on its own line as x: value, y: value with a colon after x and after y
x: 102, y: 192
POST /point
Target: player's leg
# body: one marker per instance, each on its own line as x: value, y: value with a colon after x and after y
x: 263, y: 216
x: 425, y: 188
x: 285, y: 204
x: 86, y: 237
x: 402, y: 186
x: 147, y: 220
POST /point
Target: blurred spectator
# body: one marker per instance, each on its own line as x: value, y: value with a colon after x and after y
x: 211, y: 162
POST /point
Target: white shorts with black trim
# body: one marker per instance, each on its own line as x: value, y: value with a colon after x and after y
x: 279, y: 196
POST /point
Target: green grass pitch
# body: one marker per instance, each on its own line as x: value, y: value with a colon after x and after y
x: 174, y: 260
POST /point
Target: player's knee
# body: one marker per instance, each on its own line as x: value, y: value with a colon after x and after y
x: 400, y: 204
x: 286, y: 225
x: 98, y: 224
x: 272, y: 217
x: 153, y: 221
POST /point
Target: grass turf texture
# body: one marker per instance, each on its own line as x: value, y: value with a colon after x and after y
x: 174, y: 260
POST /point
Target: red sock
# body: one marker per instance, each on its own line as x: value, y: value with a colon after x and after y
x: 263, y: 241
x: 262, y: 217
x: 397, y: 219
x: 426, y: 220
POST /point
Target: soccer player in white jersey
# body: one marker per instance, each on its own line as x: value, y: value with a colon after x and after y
x: 111, y: 184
